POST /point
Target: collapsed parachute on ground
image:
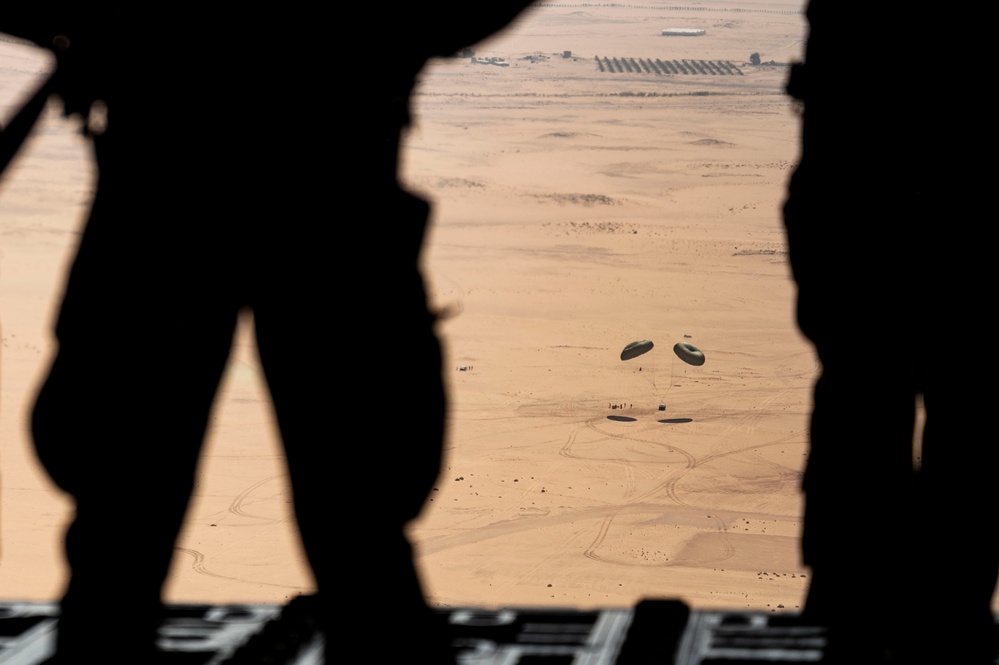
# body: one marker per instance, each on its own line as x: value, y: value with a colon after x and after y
x: 688, y: 353
x: 636, y: 349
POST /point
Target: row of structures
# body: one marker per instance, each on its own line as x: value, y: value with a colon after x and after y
x: 667, y: 67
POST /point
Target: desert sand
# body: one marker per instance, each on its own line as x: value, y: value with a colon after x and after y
x: 576, y: 209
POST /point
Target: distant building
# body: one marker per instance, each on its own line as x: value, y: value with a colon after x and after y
x: 683, y: 32
x: 499, y: 62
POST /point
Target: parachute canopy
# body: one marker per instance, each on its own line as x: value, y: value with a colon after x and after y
x: 636, y: 349
x: 688, y: 353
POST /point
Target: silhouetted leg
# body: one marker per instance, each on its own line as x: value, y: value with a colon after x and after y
x: 958, y: 547
x: 858, y: 484
x: 388, y: 356
x: 119, y: 422
x: 121, y: 432
x: 858, y: 508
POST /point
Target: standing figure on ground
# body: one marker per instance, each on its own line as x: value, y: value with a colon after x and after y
x: 228, y: 183
x: 899, y: 526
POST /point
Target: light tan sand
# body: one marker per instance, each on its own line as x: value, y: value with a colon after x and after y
x: 579, y: 211
x: 575, y: 211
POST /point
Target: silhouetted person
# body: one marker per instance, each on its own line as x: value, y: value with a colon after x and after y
x: 248, y: 163
x: 902, y: 543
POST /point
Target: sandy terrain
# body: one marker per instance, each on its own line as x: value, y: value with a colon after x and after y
x: 576, y: 210
x: 579, y: 210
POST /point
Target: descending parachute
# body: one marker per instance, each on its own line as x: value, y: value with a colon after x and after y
x: 636, y: 349
x: 688, y: 353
